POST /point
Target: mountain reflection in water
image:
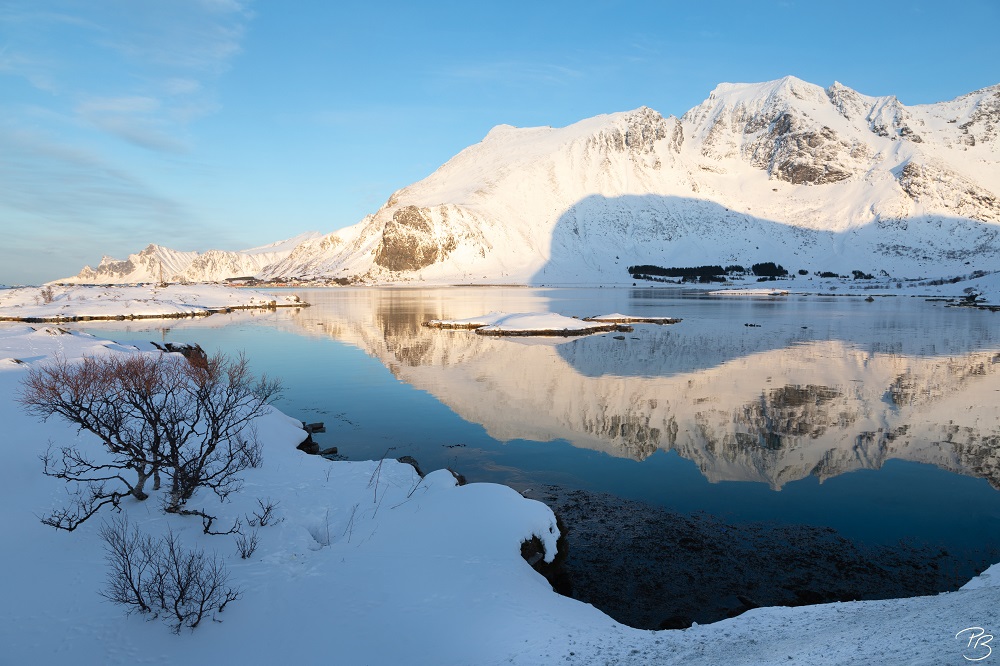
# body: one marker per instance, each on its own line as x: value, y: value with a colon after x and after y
x: 772, y: 404
x: 818, y: 387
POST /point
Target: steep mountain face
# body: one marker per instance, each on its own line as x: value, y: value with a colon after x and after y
x: 156, y: 263
x: 785, y: 171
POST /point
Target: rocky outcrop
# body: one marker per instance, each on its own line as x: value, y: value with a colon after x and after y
x: 800, y: 155
x: 638, y: 133
x: 935, y: 186
x: 409, y: 242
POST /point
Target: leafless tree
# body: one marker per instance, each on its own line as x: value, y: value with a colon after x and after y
x: 155, y: 416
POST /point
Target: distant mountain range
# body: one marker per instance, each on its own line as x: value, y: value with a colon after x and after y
x: 785, y: 171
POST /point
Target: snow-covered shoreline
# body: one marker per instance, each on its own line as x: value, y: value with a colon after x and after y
x: 64, y: 303
x: 372, y: 565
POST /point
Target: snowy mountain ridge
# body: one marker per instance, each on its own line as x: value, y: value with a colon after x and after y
x: 156, y: 263
x: 786, y: 171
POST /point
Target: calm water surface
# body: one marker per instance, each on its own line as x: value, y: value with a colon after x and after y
x: 881, y: 420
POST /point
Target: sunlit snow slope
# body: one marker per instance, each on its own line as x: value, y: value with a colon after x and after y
x: 785, y: 171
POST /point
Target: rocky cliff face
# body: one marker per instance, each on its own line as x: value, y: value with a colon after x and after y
x: 409, y: 241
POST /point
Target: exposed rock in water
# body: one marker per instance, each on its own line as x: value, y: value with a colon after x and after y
x: 308, y: 445
x: 533, y: 552
x: 412, y: 462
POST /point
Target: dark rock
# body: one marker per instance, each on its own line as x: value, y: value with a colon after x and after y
x: 309, y: 446
x: 411, y: 461
x: 192, y: 352
x: 533, y: 552
x: 676, y: 622
x: 332, y: 451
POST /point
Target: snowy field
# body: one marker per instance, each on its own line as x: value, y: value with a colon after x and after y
x: 369, y: 564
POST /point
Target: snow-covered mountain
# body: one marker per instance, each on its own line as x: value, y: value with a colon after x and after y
x: 784, y: 171
x: 156, y: 263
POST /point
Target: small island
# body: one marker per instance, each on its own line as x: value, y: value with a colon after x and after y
x: 528, y: 324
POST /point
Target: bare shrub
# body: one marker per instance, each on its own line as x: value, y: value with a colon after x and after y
x: 247, y: 545
x: 129, y: 555
x: 155, y: 416
x: 266, y: 514
x: 163, y: 578
x: 47, y: 294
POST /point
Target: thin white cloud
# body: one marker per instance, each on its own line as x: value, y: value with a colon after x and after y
x: 69, y: 187
x: 181, y: 86
x: 134, y: 119
x: 195, y: 35
x: 34, y: 70
x: 515, y: 72
x: 154, y: 62
x: 141, y: 132
x: 119, y: 105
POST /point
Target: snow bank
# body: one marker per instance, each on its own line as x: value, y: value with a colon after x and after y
x: 68, y: 303
x: 363, y: 550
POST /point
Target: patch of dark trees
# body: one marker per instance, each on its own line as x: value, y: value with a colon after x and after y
x: 766, y: 270
x: 704, y: 274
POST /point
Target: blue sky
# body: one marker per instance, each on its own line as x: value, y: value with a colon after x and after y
x: 200, y: 124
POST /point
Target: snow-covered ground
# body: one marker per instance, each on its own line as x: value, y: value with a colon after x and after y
x: 54, y: 302
x: 372, y: 565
